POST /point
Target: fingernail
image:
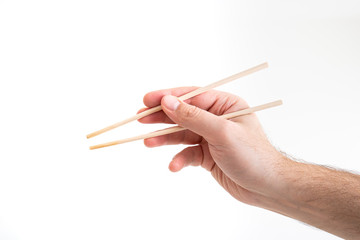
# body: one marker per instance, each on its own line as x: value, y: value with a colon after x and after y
x: 171, y: 102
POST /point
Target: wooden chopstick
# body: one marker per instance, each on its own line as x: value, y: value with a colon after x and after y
x: 183, y: 97
x: 178, y: 128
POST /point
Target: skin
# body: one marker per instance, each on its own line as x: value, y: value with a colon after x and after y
x: 243, y: 161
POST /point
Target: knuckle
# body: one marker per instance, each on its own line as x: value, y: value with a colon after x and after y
x: 146, y: 98
x: 191, y: 112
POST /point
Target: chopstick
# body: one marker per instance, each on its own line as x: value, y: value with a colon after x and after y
x: 183, y: 97
x: 179, y: 128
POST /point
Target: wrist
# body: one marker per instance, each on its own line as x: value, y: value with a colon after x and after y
x: 279, y: 187
x: 280, y: 174
x: 273, y: 185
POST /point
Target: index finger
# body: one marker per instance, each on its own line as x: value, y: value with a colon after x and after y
x: 216, y: 102
x: 204, y: 100
x: 153, y: 99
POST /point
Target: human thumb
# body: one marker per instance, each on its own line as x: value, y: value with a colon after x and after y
x: 204, y: 123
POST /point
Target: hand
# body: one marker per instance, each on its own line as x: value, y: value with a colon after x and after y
x: 242, y: 160
x: 237, y: 152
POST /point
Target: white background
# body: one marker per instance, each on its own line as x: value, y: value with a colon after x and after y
x: 70, y: 67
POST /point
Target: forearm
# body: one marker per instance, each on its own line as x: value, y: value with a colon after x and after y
x: 325, y: 198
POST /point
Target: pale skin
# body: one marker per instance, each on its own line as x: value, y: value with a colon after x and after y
x: 243, y: 161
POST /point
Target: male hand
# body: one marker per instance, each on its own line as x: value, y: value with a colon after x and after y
x: 236, y: 152
x: 242, y: 160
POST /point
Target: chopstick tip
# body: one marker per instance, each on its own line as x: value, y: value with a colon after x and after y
x: 277, y: 103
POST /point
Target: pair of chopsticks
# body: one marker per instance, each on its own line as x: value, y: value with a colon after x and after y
x: 184, y: 97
